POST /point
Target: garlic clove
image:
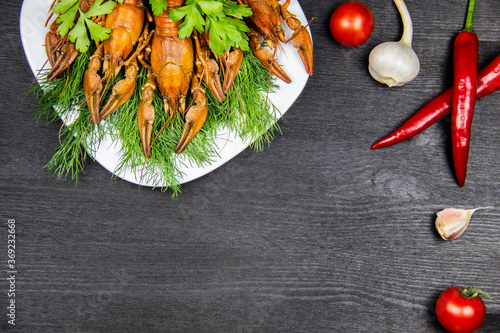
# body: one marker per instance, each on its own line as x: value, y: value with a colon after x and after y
x: 393, y: 63
x: 452, y: 222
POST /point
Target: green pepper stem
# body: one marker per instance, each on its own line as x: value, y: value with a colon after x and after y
x: 469, y: 21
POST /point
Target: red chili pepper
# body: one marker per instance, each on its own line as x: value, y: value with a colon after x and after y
x: 487, y: 83
x: 423, y: 118
x: 465, y: 55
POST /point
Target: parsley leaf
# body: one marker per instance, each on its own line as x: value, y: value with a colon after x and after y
x: 226, y: 31
x: 210, y: 7
x: 68, y: 9
x: 158, y: 6
x: 219, y: 18
x: 64, y: 5
x: 235, y: 10
x: 193, y: 18
x: 78, y: 35
x: 98, y: 9
x: 96, y: 32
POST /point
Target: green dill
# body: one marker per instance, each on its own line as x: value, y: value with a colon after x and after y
x: 246, y: 112
x: 62, y: 99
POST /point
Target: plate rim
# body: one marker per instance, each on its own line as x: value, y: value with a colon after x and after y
x: 107, y: 152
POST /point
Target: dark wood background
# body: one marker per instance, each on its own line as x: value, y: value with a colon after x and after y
x: 317, y: 233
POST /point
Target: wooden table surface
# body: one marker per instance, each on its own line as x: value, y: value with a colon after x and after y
x: 316, y: 233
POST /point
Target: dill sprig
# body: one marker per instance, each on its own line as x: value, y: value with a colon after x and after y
x: 252, y: 115
x: 63, y: 99
x: 246, y: 111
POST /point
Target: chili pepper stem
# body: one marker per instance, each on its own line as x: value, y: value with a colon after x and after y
x: 469, y: 21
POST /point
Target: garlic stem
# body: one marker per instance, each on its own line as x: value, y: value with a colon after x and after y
x: 395, y: 63
x: 407, y: 23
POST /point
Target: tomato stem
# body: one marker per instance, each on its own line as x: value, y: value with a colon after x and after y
x: 472, y: 292
x: 469, y: 21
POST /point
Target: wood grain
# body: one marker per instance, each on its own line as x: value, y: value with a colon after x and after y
x: 317, y: 233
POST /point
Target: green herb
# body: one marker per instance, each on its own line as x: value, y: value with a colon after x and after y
x: 246, y: 112
x: 68, y: 10
x: 60, y: 99
x: 158, y: 6
x: 219, y: 18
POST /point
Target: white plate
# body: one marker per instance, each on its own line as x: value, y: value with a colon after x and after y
x: 34, y: 14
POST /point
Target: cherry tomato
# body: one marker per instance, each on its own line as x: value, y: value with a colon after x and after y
x: 351, y: 24
x: 459, y: 314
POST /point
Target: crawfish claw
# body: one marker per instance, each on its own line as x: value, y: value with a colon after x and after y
x: 121, y: 91
x: 232, y: 62
x: 195, y: 116
x: 266, y: 57
x: 146, y: 114
x: 92, y: 85
x: 301, y: 39
x: 212, y: 80
x: 302, y: 42
x: 60, y: 51
x: 211, y: 68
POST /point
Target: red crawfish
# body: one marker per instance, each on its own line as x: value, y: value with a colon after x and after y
x: 266, y: 21
x: 171, y: 69
x: 61, y: 52
x: 128, y: 37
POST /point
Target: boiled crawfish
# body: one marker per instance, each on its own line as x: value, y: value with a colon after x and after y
x: 61, y: 52
x: 231, y: 63
x: 128, y: 27
x: 211, y: 67
x: 171, y: 65
x: 176, y: 67
x: 266, y: 21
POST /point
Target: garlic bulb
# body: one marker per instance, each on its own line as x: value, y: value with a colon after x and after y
x: 452, y: 222
x: 395, y: 63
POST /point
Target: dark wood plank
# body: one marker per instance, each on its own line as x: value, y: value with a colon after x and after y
x: 317, y: 233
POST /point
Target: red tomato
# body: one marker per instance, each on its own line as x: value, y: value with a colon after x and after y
x: 351, y: 24
x: 459, y: 314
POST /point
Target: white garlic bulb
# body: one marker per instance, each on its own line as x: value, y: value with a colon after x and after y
x: 452, y: 222
x: 395, y: 63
